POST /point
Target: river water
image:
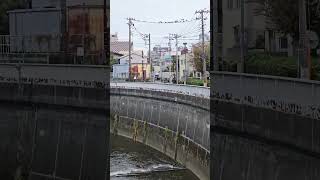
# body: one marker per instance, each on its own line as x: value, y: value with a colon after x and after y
x: 135, y: 161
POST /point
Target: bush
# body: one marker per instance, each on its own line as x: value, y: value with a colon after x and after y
x: 195, y: 82
x: 265, y: 64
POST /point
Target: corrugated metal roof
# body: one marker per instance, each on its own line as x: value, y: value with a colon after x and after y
x: 119, y: 46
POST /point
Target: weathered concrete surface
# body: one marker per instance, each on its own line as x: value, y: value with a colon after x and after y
x: 51, y: 141
x: 173, y: 123
x: 264, y: 127
x: 49, y: 122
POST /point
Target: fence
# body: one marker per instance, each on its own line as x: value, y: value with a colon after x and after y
x: 170, y: 88
x: 80, y: 49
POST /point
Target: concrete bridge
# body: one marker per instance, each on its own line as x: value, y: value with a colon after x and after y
x: 264, y: 127
x: 174, y: 120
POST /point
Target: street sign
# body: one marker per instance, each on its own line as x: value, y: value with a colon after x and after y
x: 313, y: 38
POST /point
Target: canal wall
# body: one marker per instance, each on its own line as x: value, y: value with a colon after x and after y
x: 53, y: 123
x: 176, y: 124
x: 264, y: 127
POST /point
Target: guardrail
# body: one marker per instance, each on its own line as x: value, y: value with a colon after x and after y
x: 197, y: 91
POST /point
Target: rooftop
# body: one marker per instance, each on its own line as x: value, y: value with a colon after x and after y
x: 119, y: 46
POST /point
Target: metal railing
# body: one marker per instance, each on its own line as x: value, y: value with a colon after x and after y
x: 49, y: 43
x: 197, y: 91
x: 81, y: 49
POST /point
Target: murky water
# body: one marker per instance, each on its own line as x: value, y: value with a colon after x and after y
x: 133, y: 161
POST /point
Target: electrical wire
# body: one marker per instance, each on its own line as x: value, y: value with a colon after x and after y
x: 164, y: 22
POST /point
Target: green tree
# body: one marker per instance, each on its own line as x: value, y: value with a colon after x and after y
x: 197, y: 53
x: 112, y: 60
x: 284, y: 15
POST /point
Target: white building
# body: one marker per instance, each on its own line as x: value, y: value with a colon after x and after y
x: 259, y: 33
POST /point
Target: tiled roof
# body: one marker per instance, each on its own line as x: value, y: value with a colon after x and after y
x: 135, y: 58
x: 119, y: 46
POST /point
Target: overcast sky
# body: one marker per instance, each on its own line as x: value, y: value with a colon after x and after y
x: 161, y: 10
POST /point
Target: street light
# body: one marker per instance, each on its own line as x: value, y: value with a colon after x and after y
x: 185, y: 63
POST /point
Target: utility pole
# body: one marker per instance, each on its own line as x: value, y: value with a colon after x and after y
x: 242, y: 49
x: 185, y: 63
x: 160, y: 63
x: 83, y: 32
x: 106, y: 36
x: 214, y: 35
x: 176, y: 36
x: 151, y: 72
x: 143, y: 67
x: 304, y: 65
x: 170, y: 57
x: 64, y: 36
x: 169, y: 44
x: 130, y: 24
x: 204, y: 68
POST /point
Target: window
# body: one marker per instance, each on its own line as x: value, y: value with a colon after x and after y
x: 260, y: 40
x: 236, y: 35
x: 284, y: 43
x: 238, y: 3
x: 230, y: 4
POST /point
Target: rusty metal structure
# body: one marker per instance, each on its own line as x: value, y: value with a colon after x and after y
x: 68, y: 32
x: 85, y: 28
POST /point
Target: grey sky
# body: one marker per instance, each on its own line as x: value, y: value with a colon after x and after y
x: 163, y: 10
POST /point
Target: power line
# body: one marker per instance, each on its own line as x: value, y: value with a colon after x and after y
x: 188, y: 27
x: 143, y: 36
x: 191, y: 29
x: 165, y: 22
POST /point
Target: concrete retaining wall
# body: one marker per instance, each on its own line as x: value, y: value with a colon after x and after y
x: 47, y: 126
x: 264, y: 127
x: 59, y: 75
x: 175, y: 124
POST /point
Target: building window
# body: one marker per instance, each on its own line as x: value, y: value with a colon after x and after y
x: 284, y: 43
x: 260, y: 40
x: 230, y: 4
x: 236, y: 35
x: 238, y: 3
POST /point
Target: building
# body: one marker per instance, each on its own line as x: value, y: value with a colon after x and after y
x: 57, y: 3
x: 41, y: 29
x: 120, y: 47
x: 259, y: 34
x: 140, y: 67
x: 120, y: 71
x: 114, y: 37
x: 34, y: 30
x: 186, y: 66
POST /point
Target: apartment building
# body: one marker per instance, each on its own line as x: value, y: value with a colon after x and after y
x: 259, y: 33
